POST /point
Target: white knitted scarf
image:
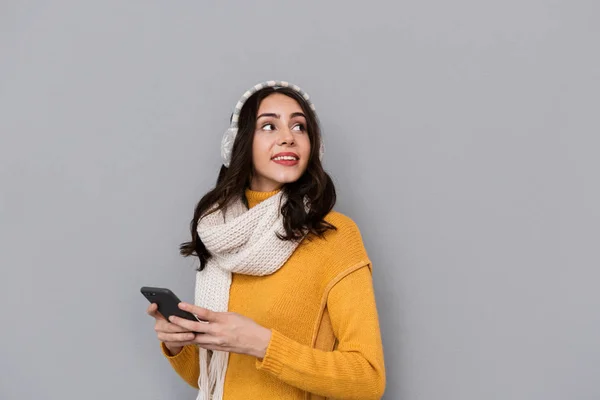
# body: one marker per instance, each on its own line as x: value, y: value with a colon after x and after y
x: 243, y: 241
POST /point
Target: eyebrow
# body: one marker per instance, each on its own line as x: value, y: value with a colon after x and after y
x: 273, y: 115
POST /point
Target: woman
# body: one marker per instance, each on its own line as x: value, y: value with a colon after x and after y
x: 284, y: 287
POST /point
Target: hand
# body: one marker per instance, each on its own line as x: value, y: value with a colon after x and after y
x: 173, y: 336
x: 225, y: 331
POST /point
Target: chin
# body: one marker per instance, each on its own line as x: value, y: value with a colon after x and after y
x: 287, y: 178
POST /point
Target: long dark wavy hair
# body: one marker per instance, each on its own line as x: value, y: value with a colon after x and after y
x: 315, y: 184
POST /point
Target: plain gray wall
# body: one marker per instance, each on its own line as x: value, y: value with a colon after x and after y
x: 463, y: 138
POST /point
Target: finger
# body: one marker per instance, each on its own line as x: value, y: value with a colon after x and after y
x: 200, y: 327
x: 176, y: 337
x: 202, y: 313
x: 180, y: 344
x: 211, y: 342
x: 152, y: 308
x: 153, y: 312
x: 165, y: 326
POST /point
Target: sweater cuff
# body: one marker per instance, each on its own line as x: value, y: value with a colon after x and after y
x: 278, y: 351
x: 181, y: 357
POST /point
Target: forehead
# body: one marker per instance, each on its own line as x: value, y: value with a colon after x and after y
x: 281, y: 102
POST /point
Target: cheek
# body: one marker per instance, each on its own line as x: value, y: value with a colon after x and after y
x: 305, y: 147
x: 258, y: 146
x: 261, y: 151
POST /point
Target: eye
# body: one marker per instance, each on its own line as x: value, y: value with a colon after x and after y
x: 268, y: 127
x: 300, y: 127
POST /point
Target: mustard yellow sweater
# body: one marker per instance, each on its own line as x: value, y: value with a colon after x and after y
x: 333, y: 271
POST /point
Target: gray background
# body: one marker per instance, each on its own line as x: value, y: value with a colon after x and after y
x: 463, y: 138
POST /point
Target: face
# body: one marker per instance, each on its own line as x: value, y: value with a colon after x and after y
x: 281, y: 146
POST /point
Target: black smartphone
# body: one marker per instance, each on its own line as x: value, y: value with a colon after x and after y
x: 167, y: 302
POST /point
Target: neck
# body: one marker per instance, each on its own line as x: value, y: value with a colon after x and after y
x: 260, y: 184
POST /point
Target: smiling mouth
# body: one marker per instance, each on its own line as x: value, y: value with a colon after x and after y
x: 285, y: 158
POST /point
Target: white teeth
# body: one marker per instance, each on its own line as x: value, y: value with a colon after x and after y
x: 287, y: 158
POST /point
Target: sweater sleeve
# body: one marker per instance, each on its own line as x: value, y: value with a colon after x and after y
x: 186, y: 363
x: 355, y: 370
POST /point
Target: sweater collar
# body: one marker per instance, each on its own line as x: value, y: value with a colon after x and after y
x: 255, y: 197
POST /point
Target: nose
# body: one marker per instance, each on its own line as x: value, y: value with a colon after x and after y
x: 285, y: 137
